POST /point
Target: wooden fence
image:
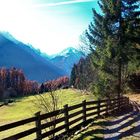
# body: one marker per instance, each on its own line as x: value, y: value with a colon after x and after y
x: 69, y: 118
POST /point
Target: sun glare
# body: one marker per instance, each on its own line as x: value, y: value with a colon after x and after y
x: 51, y: 29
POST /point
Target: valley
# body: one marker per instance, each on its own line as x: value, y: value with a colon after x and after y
x: 34, y: 64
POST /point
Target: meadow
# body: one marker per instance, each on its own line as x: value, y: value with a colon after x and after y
x: 25, y: 107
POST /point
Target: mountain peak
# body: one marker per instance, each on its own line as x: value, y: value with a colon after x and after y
x: 68, y: 51
x: 67, y: 58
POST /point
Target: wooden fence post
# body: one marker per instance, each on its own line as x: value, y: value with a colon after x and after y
x: 66, y: 115
x: 38, y: 126
x: 113, y: 106
x: 119, y: 103
x: 98, y: 107
x: 107, y: 106
x: 128, y: 101
x: 84, y: 111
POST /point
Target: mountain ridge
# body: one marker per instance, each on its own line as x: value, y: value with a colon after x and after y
x: 36, y: 65
x: 20, y: 55
x: 67, y: 58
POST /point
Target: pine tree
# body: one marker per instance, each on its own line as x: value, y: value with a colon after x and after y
x: 73, y: 75
x: 80, y: 74
x: 112, y: 36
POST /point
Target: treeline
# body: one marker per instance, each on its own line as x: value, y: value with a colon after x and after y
x: 62, y: 82
x: 13, y: 83
x: 83, y: 74
x: 113, y: 39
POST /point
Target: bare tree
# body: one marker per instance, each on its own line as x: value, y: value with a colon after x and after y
x: 48, y: 103
x: 84, y: 45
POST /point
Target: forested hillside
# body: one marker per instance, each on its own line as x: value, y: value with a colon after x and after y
x: 13, y: 83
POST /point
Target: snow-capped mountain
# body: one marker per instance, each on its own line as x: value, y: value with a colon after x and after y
x: 14, y: 53
x: 67, y: 58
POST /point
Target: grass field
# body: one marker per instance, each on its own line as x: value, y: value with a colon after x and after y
x: 93, y: 132
x: 25, y: 107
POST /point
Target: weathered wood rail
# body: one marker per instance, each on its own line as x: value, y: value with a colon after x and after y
x: 70, y: 118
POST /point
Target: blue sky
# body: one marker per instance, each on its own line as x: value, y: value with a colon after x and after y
x: 50, y: 25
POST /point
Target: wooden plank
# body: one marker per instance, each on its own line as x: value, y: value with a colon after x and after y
x: 46, y: 125
x: 103, y: 105
x: 16, y: 124
x: 115, y: 99
x: 92, y: 113
x: 75, y: 114
x: 116, y: 105
x: 74, y: 107
x: 102, y: 110
x: 51, y: 114
x: 103, y: 101
x: 91, y: 102
x: 77, y: 127
x: 76, y: 120
x: 46, y: 134
x: 21, y: 134
x: 91, y: 108
x: 122, y: 104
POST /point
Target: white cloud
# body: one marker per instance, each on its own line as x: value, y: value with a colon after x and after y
x: 61, y: 3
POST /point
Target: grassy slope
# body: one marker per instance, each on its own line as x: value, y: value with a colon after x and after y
x: 25, y: 107
x: 93, y: 132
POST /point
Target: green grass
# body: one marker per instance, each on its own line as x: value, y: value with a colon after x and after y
x: 93, y: 132
x: 25, y: 107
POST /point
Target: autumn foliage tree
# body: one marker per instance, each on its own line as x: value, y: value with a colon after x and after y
x: 15, y: 79
x: 62, y: 82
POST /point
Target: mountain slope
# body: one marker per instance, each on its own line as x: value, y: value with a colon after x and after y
x: 19, y: 55
x: 67, y: 58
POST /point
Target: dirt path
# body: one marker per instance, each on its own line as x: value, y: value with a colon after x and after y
x: 125, y: 126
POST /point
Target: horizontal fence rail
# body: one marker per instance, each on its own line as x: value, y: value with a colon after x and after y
x: 67, y: 118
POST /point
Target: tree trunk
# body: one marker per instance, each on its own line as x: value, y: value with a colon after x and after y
x: 120, y: 51
x: 119, y: 78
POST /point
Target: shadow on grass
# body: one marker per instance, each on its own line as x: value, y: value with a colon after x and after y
x: 91, y: 135
x: 93, y: 132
